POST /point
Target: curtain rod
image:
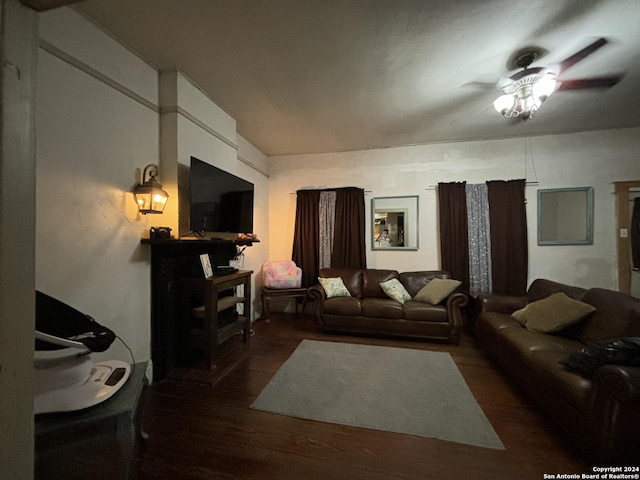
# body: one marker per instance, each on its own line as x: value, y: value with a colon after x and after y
x: 326, y: 190
x: 433, y: 187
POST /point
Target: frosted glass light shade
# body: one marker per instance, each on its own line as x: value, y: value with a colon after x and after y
x: 504, y: 103
x: 544, y: 87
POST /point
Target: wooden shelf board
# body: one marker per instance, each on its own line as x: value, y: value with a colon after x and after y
x: 223, y: 304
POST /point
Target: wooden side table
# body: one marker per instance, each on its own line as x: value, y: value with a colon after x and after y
x: 206, y: 300
x: 269, y: 293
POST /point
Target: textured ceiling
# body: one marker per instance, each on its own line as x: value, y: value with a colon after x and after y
x: 309, y: 76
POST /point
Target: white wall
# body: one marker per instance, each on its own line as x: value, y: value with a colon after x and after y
x: 98, y: 126
x: 585, y: 159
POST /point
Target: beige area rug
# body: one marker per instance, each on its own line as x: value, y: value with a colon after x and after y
x: 401, y: 390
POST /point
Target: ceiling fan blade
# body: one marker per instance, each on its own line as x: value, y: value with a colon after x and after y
x: 578, y: 56
x: 481, y: 85
x: 595, y: 82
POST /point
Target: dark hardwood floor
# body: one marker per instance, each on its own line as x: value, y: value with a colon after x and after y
x: 200, y: 426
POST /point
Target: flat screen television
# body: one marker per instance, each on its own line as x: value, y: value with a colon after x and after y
x: 219, y: 201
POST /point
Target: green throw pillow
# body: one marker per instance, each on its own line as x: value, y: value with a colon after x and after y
x: 552, y: 314
x: 334, y: 287
x: 437, y: 290
x: 395, y: 290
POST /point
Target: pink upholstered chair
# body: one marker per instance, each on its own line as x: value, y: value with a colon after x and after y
x: 281, y: 274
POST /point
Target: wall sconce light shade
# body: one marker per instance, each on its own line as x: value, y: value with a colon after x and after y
x: 149, y: 196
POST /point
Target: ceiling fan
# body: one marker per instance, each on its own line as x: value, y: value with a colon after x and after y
x: 525, y: 91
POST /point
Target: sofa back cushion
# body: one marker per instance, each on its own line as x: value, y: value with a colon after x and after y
x: 352, y: 278
x: 617, y: 315
x: 414, y: 281
x: 371, y: 280
x: 542, y: 288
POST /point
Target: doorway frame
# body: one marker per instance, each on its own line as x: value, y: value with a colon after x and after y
x: 623, y: 220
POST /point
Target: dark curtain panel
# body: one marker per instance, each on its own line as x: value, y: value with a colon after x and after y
x: 306, y: 235
x: 509, y: 251
x: 349, y: 249
x: 454, y: 243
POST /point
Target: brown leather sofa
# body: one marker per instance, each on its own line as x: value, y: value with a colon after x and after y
x: 600, y: 413
x: 370, y: 311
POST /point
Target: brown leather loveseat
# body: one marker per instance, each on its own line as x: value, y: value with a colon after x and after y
x: 579, y: 375
x: 367, y: 309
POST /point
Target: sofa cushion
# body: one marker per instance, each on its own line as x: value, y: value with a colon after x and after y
x: 334, y: 287
x: 371, y: 280
x: 395, y: 290
x: 555, y: 384
x: 414, y: 281
x: 351, y: 306
x: 437, y: 290
x: 617, y: 315
x: 552, y: 314
x: 542, y: 288
x: 620, y: 351
x: 425, y: 312
x: 381, y: 308
x: 352, y: 278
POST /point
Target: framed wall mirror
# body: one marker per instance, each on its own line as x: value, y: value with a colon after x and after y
x: 394, y: 223
x: 565, y: 216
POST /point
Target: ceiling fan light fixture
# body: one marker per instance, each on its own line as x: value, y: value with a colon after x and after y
x: 527, y: 93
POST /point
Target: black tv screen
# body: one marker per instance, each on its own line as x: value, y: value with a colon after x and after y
x: 219, y: 201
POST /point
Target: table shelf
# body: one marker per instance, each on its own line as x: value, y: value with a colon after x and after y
x: 223, y: 304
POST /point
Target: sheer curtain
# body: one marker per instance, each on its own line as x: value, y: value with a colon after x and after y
x: 479, y: 239
x: 327, y: 220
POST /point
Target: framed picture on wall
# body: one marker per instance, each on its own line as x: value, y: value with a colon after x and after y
x: 394, y: 223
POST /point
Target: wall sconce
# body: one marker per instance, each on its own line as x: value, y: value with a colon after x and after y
x: 149, y: 196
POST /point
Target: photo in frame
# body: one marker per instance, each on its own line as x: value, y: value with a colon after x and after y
x: 206, y: 265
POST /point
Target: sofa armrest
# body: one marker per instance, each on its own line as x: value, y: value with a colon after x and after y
x: 457, y: 300
x: 455, y: 303
x: 616, y: 411
x: 317, y: 295
x: 500, y: 303
x: 619, y: 382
